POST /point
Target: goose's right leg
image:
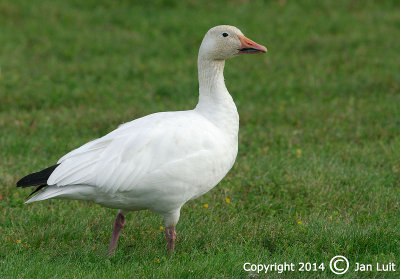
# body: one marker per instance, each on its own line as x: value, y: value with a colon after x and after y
x: 118, y: 225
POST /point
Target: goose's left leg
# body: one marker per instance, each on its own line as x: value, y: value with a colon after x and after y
x: 118, y: 225
x: 170, y: 236
x: 171, y: 219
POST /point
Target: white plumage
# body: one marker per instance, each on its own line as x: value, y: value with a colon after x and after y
x: 160, y: 161
x: 157, y: 162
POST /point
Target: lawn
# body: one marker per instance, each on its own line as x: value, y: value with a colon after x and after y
x: 318, y: 169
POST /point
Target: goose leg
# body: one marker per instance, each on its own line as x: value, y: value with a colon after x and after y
x: 170, y: 236
x: 118, y: 225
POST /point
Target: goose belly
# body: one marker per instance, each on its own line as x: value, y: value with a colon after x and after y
x: 169, y: 187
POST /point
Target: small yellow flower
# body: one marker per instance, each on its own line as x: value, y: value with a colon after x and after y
x: 18, y: 240
x: 330, y: 218
x: 300, y: 222
x: 206, y: 205
x: 336, y: 213
x: 158, y: 260
x: 298, y: 152
x: 161, y: 228
x: 228, y: 200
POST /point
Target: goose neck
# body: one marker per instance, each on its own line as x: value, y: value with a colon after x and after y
x: 211, y: 76
x: 215, y: 102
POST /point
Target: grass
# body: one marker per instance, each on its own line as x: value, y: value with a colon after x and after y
x: 318, y: 169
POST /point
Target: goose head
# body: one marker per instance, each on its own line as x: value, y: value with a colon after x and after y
x: 224, y: 41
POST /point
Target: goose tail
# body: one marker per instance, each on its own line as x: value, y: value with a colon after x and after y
x: 48, y: 193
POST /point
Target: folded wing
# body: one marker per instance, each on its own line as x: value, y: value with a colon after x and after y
x: 124, y: 157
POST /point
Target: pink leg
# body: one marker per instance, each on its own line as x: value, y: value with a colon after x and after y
x: 119, y: 224
x: 170, y: 236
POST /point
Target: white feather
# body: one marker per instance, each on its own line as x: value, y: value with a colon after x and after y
x: 160, y: 161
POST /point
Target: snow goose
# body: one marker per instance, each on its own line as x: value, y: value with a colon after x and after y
x: 160, y: 161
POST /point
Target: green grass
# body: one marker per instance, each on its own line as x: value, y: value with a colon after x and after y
x: 319, y: 134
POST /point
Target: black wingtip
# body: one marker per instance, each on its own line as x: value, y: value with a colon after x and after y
x: 37, y: 178
x: 36, y: 190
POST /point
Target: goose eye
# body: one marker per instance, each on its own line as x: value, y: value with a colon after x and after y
x: 225, y: 34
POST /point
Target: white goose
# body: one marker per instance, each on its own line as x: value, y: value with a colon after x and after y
x: 160, y: 161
